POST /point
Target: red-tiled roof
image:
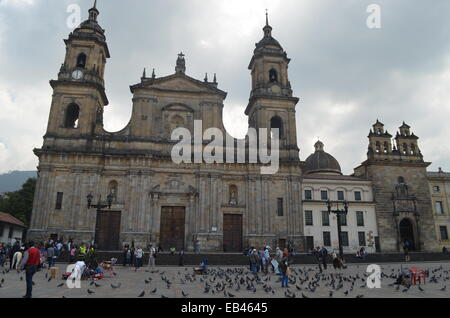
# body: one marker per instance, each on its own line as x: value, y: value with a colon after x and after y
x: 8, y: 218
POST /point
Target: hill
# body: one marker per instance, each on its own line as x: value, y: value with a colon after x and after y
x: 12, y: 181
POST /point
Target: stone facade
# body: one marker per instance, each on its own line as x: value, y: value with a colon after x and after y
x: 439, y: 182
x: 401, y: 190
x: 134, y: 165
x: 130, y: 173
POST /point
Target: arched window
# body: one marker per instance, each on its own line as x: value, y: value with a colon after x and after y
x: 72, y: 116
x: 405, y: 149
x: 273, y: 76
x: 233, y: 194
x: 277, y: 122
x: 413, y: 149
x: 81, y: 60
x: 377, y: 147
x: 385, y: 147
x: 112, y: 189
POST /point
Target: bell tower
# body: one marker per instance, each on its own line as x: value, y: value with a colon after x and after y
x: 79, y: 92
x: 271, y: 103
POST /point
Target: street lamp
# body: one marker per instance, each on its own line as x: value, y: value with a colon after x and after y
x: 338, y: 213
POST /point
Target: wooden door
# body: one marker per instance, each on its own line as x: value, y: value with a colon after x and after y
x: 107, y: 231
x: 232, y: 233
x: 172, y: 228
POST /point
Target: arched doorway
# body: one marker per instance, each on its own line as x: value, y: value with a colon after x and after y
x: 406, y: 233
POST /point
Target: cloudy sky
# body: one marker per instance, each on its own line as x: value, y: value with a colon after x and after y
x: 345, y: 74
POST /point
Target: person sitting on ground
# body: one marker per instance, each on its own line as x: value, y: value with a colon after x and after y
x: 202, y: 269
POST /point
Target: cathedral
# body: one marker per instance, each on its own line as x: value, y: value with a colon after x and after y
x: 115, y: 188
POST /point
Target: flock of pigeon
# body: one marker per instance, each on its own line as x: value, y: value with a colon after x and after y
x: 237, y: 282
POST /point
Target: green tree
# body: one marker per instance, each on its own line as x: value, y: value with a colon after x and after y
x: 20, y: 203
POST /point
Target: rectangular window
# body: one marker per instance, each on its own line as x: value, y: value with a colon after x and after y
x: 344, y: 238
x: 2, y: 228
x: 326, y: 239
x: 340, y: 195
x: 357, y: 196
x: 11, y: 231
x: 280, y: 207
x: 439, y: 208
x: 308, y: 195
x: 325, y: 218
x: 362, y: 238
x: 359, y: 218
x: 59, y: 200
x: 310, y: 243
x: 437, y: 189
x: 444, y: 233
x: 343, y: 220
x: 324, y: 195
x: 308, y: 218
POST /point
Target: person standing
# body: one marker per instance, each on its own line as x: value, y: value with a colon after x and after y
x: 50, y: 255
x: 30, y: 262
x: 138, y: 254
x: 324, y: 254
x: 406, y: 250
x: 318, y: 257
x: 12, y: 251
x: 181, y: 258
x: 284, y: 272
x: 254, y: 259
x: 152, y: 256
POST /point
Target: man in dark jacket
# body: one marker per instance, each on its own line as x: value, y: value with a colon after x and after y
x: 324, y: 254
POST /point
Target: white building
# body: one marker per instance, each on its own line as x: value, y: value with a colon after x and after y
x: 323, y: 181
x: 11, y: 229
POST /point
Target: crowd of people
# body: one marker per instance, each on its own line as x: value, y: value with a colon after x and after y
x: 262, y: 258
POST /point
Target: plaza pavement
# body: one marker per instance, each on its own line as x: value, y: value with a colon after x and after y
x: 181, y: 280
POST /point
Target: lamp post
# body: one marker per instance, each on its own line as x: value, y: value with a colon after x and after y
x: 99, y: 206
x: 338, y: 213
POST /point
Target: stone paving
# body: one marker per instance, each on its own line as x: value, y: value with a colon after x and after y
x: 183, y: 284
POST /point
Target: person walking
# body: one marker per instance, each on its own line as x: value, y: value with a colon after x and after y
x: 30, y: 262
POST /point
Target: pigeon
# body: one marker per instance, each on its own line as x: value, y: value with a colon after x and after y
x: 97, y: 285
x: 331, y: 293
x: 115, y: 286
x: 153, y: 291
x: 21, y: 278
x: 162, y: 296
x: 359, y: 296
x: 184, y: 294
x: 231, y: 295
x: 420, y: 288
x: 61, y: 285
x: 90, y: 291
x: 142, y: 294
x: 92, y: 283
x: 346, y: 293
x: 444, y: 288
x: 49, y: 279
x: 304, y: 296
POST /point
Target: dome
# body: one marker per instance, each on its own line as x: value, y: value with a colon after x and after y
x: 321, y: 162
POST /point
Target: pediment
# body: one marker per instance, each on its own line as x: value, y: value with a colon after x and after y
x: 179, y: 82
